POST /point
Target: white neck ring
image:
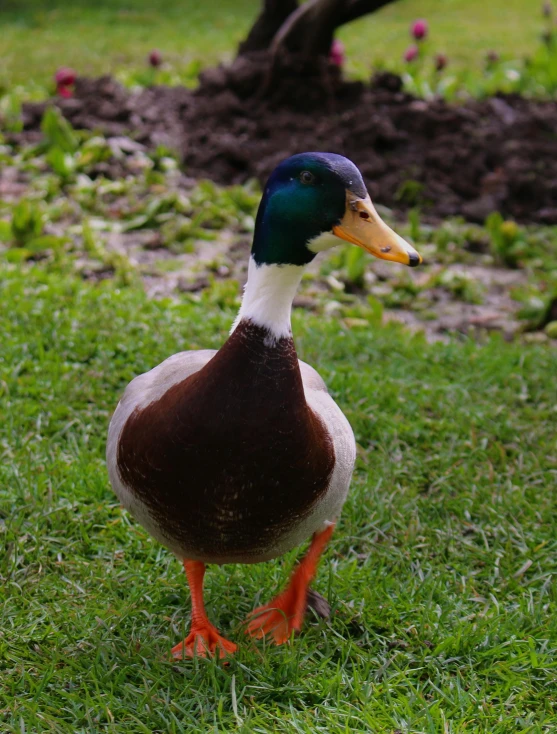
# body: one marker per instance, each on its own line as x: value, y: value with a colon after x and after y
x: 268, y: 297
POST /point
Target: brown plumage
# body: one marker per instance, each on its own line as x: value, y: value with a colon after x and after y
x: 229, y: 458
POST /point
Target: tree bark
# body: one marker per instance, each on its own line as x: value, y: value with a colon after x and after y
x: 268, y: 23
x: 311, y: 28
x: 307, y: 29
x: 357, y: 8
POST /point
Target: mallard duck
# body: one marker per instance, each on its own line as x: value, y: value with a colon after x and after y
x: 239, y: 455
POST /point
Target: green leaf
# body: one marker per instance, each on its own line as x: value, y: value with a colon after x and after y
x: 6, y: 233
x: 58, y: 131
x: 46, y: 242
x: 356, y: 265
x: 63, y: 164
x: 27, y: 221
x: 136, y: 223
x: 17, y: 255
x: 376, y: 309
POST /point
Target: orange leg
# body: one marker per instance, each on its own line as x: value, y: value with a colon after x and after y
x: 286, y: 611
x: 203, y: 638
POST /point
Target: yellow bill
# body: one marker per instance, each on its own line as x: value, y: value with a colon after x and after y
x: 363, y: 226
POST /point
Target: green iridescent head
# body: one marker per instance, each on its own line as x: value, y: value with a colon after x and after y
x: 304, y: 197
x: 311, y: 202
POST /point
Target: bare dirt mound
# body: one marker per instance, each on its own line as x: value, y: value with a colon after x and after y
x: 469, y: 160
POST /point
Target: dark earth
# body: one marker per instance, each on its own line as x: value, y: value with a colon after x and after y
x: 470, y: 159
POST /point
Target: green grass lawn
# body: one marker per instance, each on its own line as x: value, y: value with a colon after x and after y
x: 115, y: 35
x: 441, y: 575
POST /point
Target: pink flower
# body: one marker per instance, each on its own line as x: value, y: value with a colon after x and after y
x: 411, y: 54
x: 418, y: 29
x: 155, y: 58
x: 64, y: 91
x: 336, y: 54
x: 440, y: 62
x: 65, y: 76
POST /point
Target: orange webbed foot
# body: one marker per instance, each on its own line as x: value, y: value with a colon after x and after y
x: 279, y: 618
x: 204, y: 641
x: 285, y: 614
x: 269, y: 620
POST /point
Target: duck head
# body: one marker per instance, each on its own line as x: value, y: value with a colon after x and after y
x: 311, y: 202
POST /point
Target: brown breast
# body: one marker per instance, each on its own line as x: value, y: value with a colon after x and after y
x: 232, y: 457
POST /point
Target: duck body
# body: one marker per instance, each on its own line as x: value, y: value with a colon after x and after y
x: 235, y: 456
x: 239, y: 455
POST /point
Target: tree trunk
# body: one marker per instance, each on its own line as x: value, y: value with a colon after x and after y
x: 268, y: 23
x: 307, y: 29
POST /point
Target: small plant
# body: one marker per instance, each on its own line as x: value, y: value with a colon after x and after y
x: 404, y: 292
x: 440, y: 62
x: 411, y: 53
x: 415, y: 224
x: 27, y: 222
x: 417, y: 79
x: 410, y: 192
x: 507, y: 240
x: 539, y: 307
x: 345, y: 268
x: 58, y: 132
x: 535, y: 75
x: 10, y: 111
x: 355, y: 266
x: 541, y: 68
x: 551, y: 329
x: 65, y: 80
x: 25, y: 235
x: 460, y: 284
x: 67, y: 153
x: 336, y: 54
x: 155, y: 58
x: 418, y: 33
x: 63, y: 164
x: 419, y: 29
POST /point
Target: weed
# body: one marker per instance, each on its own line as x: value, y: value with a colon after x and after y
x: 507, y: 240
x: 460, y: 284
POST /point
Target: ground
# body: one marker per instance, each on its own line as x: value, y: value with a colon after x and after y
x: 441, y: 574
x: 112, y: 208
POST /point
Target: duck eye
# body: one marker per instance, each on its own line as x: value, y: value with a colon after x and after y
x: 306, y: 177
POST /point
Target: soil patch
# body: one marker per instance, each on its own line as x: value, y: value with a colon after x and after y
x: 467, y: 160
x: 457, y: 290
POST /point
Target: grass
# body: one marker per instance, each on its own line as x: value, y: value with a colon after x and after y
x: 441, y: 574
x: 100, y: 37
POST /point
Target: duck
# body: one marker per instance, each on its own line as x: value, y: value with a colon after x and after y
x: 238, y: 455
